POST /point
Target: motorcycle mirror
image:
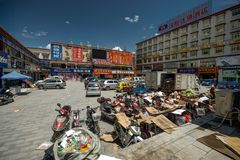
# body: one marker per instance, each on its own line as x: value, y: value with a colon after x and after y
x: 58, y: 104
x: 56, y: 109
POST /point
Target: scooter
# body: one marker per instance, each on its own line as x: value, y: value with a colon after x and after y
x: 76, y: 118
x: 62, y: 121
x: 128, y: 135
x: 7, y: 97
x: 107, y: 112
x: 92, y: 120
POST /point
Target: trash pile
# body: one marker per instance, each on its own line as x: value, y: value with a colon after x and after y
x: 77, y: 143
x: 153, y: 112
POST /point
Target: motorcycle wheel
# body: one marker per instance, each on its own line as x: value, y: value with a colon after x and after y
x: 96, y: 128
x: 121, y: 134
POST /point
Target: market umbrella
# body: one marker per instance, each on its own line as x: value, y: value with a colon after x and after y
x: 15, y: 76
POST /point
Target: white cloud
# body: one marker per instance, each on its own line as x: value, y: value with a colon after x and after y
x: 151, y: 26
x: 135, y: 19
x: 48, y: 46
x: 117, y: 48
x: 67, y: 22
x: 27, y: 35
x: 41, y: 34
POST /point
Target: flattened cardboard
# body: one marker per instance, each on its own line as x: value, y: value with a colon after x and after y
x: 232, y: 142
x: 164, y: 123
x: 108, y: 137
x: 152, y: 110
x: 123, y: 120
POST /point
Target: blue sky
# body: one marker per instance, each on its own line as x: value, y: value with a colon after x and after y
x: 107, y: 23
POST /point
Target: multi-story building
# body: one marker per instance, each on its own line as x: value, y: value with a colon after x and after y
x: 195, y: 42
x: 14, y: 56
x: 72, y: 61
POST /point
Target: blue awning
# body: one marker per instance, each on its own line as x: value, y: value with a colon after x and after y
x: 15, y: 76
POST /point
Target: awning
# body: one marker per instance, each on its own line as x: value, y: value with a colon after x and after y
x: 15, y: 75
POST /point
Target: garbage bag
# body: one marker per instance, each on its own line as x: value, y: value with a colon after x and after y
x: 93, y: 152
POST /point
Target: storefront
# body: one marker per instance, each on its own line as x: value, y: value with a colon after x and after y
x: 229, y: 69
x: 207, y: 72
x: 71, y: 73
x: 3, y: 64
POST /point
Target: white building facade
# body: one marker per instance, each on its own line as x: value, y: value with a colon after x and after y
x: 195, y: 47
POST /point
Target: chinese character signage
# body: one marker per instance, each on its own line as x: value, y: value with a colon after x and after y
x: 189, y: 16
x: 71, y: 70
x: 77, y: 54
x: 102, y: 71
x: 3, y: 59
x: 207, y: 70
x: 187, y: 70
x: 56, y: 52
x: 117, y: 57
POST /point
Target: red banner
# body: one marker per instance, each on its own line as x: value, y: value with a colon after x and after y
x: 207, y: 70
x: 102, y: 71
x: 77, y: 54
x: 119, y: 57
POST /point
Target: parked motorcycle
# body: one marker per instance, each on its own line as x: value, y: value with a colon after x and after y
x: 128, y: 135
x: 107, y: 112
x: 62, y: 121
x: 7, y: 97
x: 92, y: 120
x: 76, y: 118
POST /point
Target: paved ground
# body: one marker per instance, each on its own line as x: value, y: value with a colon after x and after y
x: 21, y: 132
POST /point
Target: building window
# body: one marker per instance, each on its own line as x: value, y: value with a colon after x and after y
x: 150, y: 42
x: 206, y: 22
x: 167, y: 57
x: 184, y: 30
x: 208, y: 63
x: 184, y: 55
x: 175, y: 41
x: 206, y: 32
x: 160, y: 39
x: 206, y: 41
x: 160, y: 46
x: 236, y: 35
x: 219, y: 38
x: 206, y: 52
x: 236, y: 24
x: 194, y: 26
x: 194, y: 44
x: 184, y: 39
x: 192, y: 64
x: 219, y: 50
x: 149, y: 60
x: 175, y: 48
x: 183, y: 46
x: 174, y: 56
x: 235, y: 12
x: 194, y: 36
x: 220, y: 28
x: 155, y: 47
x: 235, y: 48
x: 167, y: 36
x: 167, y: 44
x: 183, y: 65
x: 155, y: 40
x: 220, y: 18
x: 160, y: 58
x: 175, y: 33
x: 193, y: 54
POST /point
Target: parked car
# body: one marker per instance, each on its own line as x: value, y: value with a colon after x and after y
x: 52, y: 83
x: 208, y: 82
x: 228, y: 85
x: 93, y: 89
x: 109, y: 84
x: 89, y: 79
x: 123, y: 86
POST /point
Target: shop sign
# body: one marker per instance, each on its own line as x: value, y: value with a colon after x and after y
x: 70, y: 70
x: 77, y: 54
x: 228, y: 61
x: 101, y: 62
x: 56, y: 52
x: 187, y: 70
x: 207, y: 70
x: 3, y: 59
x: 229, y: 73
x: 189, y: 16
x: 102, y: 71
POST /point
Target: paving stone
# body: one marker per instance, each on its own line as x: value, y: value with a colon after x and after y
x: 183, y: 142
x: 215, y: 155
x: 202, y: 146
x: 190, y: 152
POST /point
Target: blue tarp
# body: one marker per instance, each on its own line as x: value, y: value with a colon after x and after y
x: 15, y: 75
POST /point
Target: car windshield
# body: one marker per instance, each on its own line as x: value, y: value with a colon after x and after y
x: 93, y: 85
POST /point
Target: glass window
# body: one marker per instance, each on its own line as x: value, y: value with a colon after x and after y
x: 184, y: 55
x: 184, y: 38
x: 167, y: 35
x: 175, y: 41
x: 220, y: 28
x: 194, y: 44
x: 220, y: 38
x: 183, y: 46
x: 167, y: 44
x: 206, y: 52
x: 236, y: 24
x: 194, y: 26
x: 219, y: 50
x: 206, y: 32
x: 194, y: 35
x: 236, y: 35
x: 206, y: 22
x: 206, y: 41
x: 167, y: 57
x: 174, y: 56
x: 160, y: 58
x: 193, y: 54
x: 236, y: 12
x: 183, y: 65
x: 235, y: 47
x: 220, y: 18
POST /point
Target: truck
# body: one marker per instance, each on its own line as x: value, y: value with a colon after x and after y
x: 169, y: 82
